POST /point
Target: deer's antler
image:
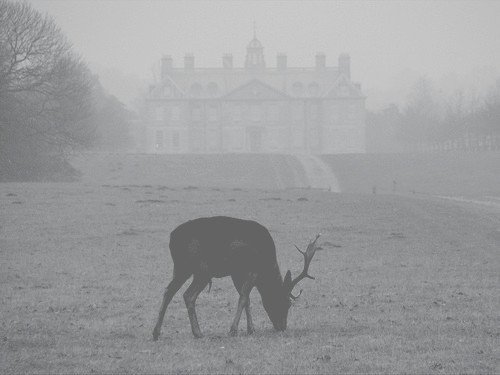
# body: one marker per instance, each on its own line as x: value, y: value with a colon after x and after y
x: 308, y: 255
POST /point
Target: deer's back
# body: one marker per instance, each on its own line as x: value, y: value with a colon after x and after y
x: 222, y: 246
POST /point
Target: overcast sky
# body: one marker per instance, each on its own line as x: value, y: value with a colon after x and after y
x: 390, y: 42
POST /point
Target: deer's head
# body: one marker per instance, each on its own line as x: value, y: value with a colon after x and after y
x: 279, y: 303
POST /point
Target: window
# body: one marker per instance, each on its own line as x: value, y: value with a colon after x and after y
x: 167, y: 91
x: 197, y: 139
x: 212, y: 89
x: 334, y: 114
x: 297, y: 112
x: 274, y: 112
x: 352, y: 111
x: 159, y: 139
x: 212, y: 140
x: 256, y: 112
x: 297, y: 138
x: 159, y: 112
x: 176, y: 113
x: 212, y: 113
x: 274, y: 139
x: 313, y: 89
x: 343, y: 90
x: 196, y: 114
x: 195, y: 90
x: 237, y: 112
x: 233, y: 138
x: 314, y: 111
x: 175, y: 139
x: 297, y: 89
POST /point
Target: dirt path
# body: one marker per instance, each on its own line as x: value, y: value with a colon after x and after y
x: 318, y: 174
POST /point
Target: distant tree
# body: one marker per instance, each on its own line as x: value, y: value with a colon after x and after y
x: 490, y: 113
x: 457, y: 117
x: 488, y: 117
x: 420, y: 120
x: 45, y: 89
x: 111, y: 120
x: 463, y: 121
x: 382, y: 129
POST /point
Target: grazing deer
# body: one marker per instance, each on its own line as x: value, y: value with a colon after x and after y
x: 224, y: 246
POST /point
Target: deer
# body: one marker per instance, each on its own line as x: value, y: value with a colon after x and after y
x: 221, y: 246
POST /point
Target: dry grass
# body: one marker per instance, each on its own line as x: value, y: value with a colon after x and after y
x: 403, y: 284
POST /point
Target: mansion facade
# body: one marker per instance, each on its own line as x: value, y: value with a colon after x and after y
x: 255, y: 109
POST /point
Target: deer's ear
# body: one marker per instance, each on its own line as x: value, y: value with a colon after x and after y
x: 288, y: 278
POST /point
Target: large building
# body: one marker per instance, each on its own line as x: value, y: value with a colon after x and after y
x: 255, y: 109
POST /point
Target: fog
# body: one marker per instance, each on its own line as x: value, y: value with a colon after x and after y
x: 391, y: 43
x: 143, y: 143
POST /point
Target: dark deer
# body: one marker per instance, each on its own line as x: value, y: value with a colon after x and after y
x: 224, y: 246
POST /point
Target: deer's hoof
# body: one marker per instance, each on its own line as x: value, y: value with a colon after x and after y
x: 198, y: 335
x: 250, y: 330
x: 156, y: 334
x: 233, y: 332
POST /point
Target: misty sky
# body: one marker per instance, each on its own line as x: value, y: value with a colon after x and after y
x: 391, y: 43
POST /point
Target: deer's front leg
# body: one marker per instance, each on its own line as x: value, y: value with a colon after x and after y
x: 190, y: 295
x: 250, y: 326
x: 243, y: 302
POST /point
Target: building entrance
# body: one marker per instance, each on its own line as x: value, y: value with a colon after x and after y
x: 254, y: 139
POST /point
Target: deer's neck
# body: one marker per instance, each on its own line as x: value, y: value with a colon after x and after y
x: 270, y: 283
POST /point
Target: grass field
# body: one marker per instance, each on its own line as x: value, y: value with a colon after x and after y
x: 403, y: 284
x: 230, y: 171
x: 449, y: 173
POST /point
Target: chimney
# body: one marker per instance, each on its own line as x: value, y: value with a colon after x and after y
x: 345, y: 65
x: 166, y: 66
x: 320, y: 60
x: 227, y: 61
x: 281, y: 61
x: 189, y: 61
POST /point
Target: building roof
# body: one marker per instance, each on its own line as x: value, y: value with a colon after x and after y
x: 320, y: 81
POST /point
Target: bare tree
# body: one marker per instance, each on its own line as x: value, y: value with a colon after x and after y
x: 45, y: 89
x: 489, y: 117
x: 421, y: 117
x: 111, y: 120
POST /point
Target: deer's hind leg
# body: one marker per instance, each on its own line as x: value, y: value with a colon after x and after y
x: 247, y: 284
x: 200, y: 281
x: 172, y: 288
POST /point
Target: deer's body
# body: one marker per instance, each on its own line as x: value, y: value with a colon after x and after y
x: 223, y: 246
